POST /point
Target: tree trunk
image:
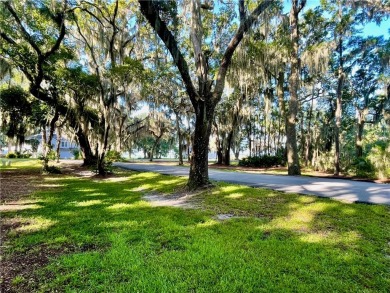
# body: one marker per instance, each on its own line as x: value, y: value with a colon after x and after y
x: 309, y: 146
x: 179, y: 138
x: 199, y: 175
x: 226, y: 154
x: 359, y: 133
x: 154, y: 147
x: 89, y: 159
x: 218, y: 145
x: 292, y: 148
x: 45, y: 149
x: 58, y: 144
x: 282, y: 106
x: 340, y: 84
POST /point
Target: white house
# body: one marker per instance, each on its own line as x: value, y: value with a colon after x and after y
x: 67, y: 146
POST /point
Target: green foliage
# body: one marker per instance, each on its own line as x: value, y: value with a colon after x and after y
x: 113, y: 156
x: 11, y: 156
x: 14, y: 102
x: 52, y: 170
x: 265, y: 161
x: 379, y: 158
x: 362, y: 167
x: 52, y: 155
x: 76, y: 154
x: 18, y: 155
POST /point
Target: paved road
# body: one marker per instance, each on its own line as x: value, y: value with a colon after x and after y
x: 346, y: 190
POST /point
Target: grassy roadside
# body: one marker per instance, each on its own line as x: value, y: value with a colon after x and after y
x: 100, y: 235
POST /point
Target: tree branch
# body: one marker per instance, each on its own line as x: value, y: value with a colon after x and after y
x: 149, y: 10
x: 61, y: 25
x: 227, y: 56
x: 26, y: 35
x: 7, y: 39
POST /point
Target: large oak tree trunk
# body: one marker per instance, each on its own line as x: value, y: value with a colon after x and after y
x: 199, y: 176
x: 89, y: 159
x: 291, y: 133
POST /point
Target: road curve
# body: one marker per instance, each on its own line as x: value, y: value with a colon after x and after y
x: 339, y: 189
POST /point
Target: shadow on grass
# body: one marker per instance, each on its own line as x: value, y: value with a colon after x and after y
x: 278, y: 241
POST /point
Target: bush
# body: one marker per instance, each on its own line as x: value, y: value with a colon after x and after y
x: 379, y: 157
x: 52, y: 155
x: 76, y: 154
x: 52, y: 170
x: 18, y: 155
x: 265, y: 161
x: 363, y: 168
x: 113, y: 156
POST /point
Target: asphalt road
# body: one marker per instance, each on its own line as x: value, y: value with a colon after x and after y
x: 339, y: 189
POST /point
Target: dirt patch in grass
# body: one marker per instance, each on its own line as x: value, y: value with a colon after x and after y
x: 17, y: 185
x: 182, y: 199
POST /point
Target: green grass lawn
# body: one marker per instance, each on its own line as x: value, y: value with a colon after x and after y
x: 101, y: 236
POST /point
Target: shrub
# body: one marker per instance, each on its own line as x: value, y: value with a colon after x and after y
x: 379, y: 157
x: 113, y: 156
x: 52, y: 155
x: 11, y: 156
x: 52, y: 170
x: 76, y: 154
x: 265, y: 161
x: 363, y: 168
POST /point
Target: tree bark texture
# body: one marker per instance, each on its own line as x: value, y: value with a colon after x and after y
x: 338, y: 112
x: 291, y: 133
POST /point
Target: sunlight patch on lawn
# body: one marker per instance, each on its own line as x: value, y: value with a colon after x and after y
x: 18, y: 207
x: 66, y: 213
x: 136, y: 189
x: 35, y: 224
x: 349, y: 211
x: 88, y: 203
x: 231, y: 188
x: 171, y: 181
x: 348, y: 238
x: 208, y: 223
x: 62, y: 178
x: 300, y: 218
x: 235, y: 195
x: 117, y: 179
x: 97, y: 194
x: 87, y: 190
x: 122, y: 224
x: 126, y: 206
x: 146, y: 175
x: 51, y: 185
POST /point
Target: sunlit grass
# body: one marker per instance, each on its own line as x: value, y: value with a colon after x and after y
x: 274, y: 242
x: 20, y: 163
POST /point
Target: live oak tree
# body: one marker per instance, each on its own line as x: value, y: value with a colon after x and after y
x: 32, y: 42
x: 205, y: 96
x: 106, y: 40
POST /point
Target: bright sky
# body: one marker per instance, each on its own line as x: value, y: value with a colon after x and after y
x: 370, y: 29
